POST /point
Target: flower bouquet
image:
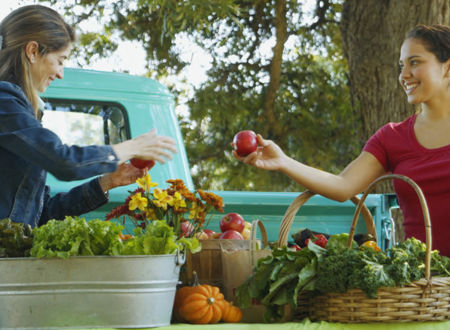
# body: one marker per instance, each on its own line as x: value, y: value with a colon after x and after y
x: 181, y: 209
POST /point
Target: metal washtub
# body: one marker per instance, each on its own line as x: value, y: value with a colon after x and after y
x: 97, y: 291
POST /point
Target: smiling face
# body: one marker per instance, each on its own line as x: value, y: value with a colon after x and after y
x: 422, y: 76
x: 46, y: 68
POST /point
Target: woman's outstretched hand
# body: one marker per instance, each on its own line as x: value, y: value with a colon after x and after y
x: 268, y: 155
x: 149, y: 145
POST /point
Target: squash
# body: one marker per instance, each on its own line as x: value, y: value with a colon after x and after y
x: 231, y: 313
x: 203, y: 305
x: 181, y: 294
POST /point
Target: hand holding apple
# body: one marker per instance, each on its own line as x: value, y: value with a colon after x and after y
x: 269, y: 156
x: 245, y: 143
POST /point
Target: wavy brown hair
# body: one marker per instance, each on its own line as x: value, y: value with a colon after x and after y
x: 30, y: 23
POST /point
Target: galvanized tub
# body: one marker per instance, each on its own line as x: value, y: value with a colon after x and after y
x: 98, y: 291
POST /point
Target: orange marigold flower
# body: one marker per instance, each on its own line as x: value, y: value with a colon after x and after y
x: 212, y: 199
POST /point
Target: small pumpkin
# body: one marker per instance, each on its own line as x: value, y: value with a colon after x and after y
x: 181, y: 294
x: 231, y: 313
x: 203, y: 305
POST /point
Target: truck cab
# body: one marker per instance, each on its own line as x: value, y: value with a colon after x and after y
x: 95, y: 107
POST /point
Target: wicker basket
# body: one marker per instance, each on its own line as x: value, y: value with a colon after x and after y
x: 303, y: 303
x: 292, y: 210
x: 425, y: 300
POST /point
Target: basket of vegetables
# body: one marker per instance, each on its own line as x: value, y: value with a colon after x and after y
x: 283, y: 281
x: 367, y: 285
x: 336, y: 279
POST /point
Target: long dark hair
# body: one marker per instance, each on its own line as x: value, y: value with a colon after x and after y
x: 25, y: 24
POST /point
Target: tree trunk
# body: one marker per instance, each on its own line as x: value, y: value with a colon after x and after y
x: 372, y: 34
x: 275, y: 68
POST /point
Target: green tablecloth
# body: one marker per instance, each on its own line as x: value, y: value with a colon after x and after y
x: 307, y: 325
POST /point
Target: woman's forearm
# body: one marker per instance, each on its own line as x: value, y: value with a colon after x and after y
x: 340, y: 187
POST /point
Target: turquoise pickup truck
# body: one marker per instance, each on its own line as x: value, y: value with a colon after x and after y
x: 94, y: 107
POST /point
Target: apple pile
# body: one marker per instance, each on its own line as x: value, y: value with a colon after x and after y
x: 232, y: 226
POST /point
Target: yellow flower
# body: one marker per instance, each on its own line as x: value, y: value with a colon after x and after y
x: 162, y: 198
x: 146, y: 182
x: 178, y: 201
x: 150, y: 214
x: 195, y: 210
x: 138, y: 202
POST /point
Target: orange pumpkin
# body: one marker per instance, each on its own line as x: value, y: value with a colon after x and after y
x: 231, y: 313
x: 181, y: 294
x: 203, y: 305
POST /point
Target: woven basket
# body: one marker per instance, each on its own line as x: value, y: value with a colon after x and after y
x: 292, y: 210
x: 425, y: 300
x: 303, y: 303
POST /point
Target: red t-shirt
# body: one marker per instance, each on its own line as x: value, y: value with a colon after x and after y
x: 396, y: 147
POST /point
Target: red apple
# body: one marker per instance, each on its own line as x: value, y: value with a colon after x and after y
x: 231, y: 234
x: 232, y: 221
x: 245, y: 143
x: 142, y: 163
x: 209, y: 232
x: 186, y: 229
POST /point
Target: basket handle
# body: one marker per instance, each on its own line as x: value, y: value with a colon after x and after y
x: 292, y: 210
x: 253, y: 242
x: 423, y: 205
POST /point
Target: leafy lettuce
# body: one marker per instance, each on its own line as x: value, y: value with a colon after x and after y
x: 158, y: 238
x: 77, y: 237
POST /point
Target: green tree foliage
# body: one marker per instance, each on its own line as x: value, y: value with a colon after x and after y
x: 296, y: 95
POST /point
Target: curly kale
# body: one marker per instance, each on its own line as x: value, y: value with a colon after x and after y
x: 440, y: 265
x: 353, y: 269
x: 370, y: 278
x: 334, y: 271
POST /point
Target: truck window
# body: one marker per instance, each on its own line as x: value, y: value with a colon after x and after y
x: 86, y: 123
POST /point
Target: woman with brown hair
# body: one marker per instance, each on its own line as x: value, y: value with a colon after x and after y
x: 34, y: 43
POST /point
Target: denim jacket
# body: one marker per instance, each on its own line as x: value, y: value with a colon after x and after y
x: 28, y: 151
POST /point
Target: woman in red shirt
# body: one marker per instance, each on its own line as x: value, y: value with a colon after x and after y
x: 418, y: 147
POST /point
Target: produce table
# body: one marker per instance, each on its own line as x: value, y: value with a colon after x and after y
x: 307, y: 325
